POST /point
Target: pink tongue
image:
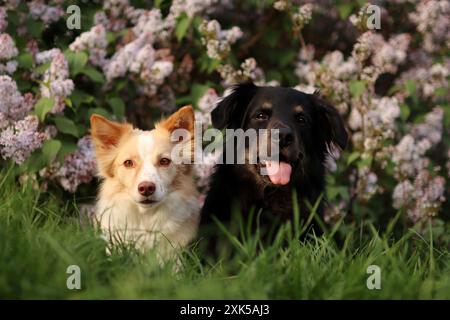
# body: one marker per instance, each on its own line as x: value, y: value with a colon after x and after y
x: 279, y: 172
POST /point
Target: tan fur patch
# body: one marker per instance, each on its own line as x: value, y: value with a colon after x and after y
x: 107, y: 136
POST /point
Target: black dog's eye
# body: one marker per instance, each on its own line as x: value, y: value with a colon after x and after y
x: 301, y: 119
x: 262, y: 116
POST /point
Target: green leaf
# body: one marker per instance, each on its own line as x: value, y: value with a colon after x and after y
x: 94, y: 74
x: 50, y: 149
x: 43, y: 106
x: 183, y: 23
x: 357, y: 88
x: 34, y: 163
x: 212, y: 65
x: 35, y: 27
x: 66, y: 125
x: 285, y: 57
x: 68, y: 102
x: 271, y: 37
x: 76, y: 60
x: 411, y: 88
x: 404, y: 111
x: 117, y: 106
x: 365, y: 162
x: 352, y: 157
x: 345, y: 10
x: 101, y: 111
x: 42, y: 68
x: 197, y: 91
x: 25, y: 60
x: 66, y: 148
x: 78, y: 97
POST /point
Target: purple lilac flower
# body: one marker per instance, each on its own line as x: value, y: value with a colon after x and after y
x: 19, y: 140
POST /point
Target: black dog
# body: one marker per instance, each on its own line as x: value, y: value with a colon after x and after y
x: 308, y: 126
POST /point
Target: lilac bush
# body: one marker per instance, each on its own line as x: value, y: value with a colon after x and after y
x: 136, y: 61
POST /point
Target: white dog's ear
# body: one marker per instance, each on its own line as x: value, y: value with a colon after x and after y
x: 182, y: 119
x: 106, y: 136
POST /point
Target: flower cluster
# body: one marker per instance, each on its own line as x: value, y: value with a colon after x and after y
x: 433, y: 22
x: 302, y: 16
x: 248, y: 71
x: 422, y: 198
x: 20, y: 139
x: 419, y: 191
x: 217, y: 41
x: 8, y: 51
x: 205, y: 105
x: 39, y: 10
x: 78, y: 167
x: 13, y: 105
x: 93, y: 41
x: 55, y: 83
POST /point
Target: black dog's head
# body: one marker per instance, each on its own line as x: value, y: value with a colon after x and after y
x: 307, y: 125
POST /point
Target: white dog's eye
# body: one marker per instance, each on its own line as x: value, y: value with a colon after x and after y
x: 128, y: 163
x: 164, y: 162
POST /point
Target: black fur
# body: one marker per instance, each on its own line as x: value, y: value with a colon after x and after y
x: 305, y: 146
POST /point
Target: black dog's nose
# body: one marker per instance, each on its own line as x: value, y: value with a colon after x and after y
x: 146, y: 188
x: 286, y: 137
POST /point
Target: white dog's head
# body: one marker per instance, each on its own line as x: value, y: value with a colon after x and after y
x: 142, y: 163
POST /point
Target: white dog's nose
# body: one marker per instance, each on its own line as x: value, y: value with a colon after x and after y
x: 146, y: 188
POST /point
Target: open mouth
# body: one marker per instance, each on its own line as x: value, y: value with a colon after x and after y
x: 279, y: 172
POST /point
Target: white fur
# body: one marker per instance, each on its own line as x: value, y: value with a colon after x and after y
x: 168, y: 224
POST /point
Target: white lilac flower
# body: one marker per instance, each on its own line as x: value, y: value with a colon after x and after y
x: 8, y: 49
x: 428, y: 78
x: 144, y: 59
x: 160, y: 70
x: 150, y: 22
x: 409, y: 156
x: 379, y: 123
x: 46, y: 56
x: 302, y: 16
x: 391, y: 53
x: 55, y: 82
x: 208, y: 101
x: 402, y: 193
x: 431, y: 129
x: 217, y: 41
x: 94, y: 41
x: 248, y: 71
x: 189, y: 7
x: 433, y: 22
x: 206, y: 104
x: 422, y: 198
x: 367, y: 184
x: 47, y: 14
x: 280, y: 5
x: 123, y: 59
x: 20, y: 139
x: 9, y: 67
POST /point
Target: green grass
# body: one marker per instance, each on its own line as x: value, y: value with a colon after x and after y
x: 40, y: 237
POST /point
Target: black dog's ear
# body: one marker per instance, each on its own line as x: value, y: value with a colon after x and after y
x: 230, y: 112
x: 331, y: 122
